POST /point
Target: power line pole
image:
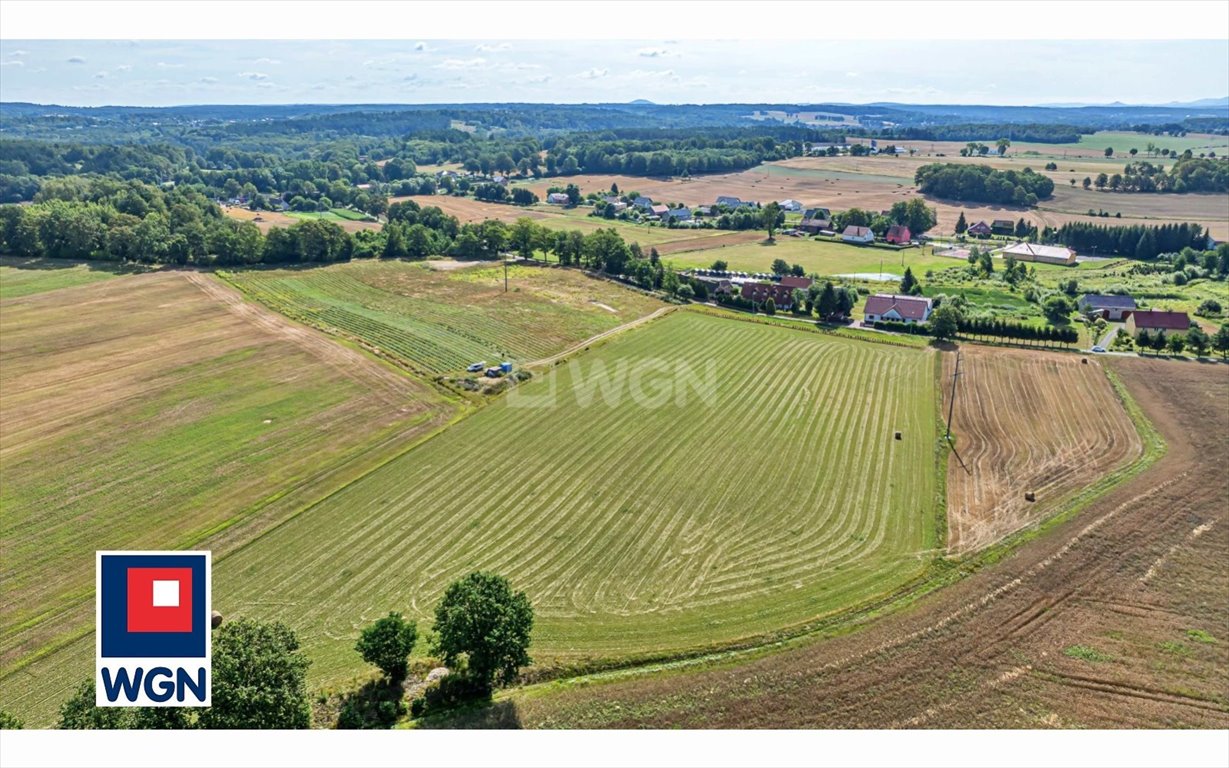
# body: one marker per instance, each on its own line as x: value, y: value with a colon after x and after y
x: 951, y: 405
x: 505, y: 273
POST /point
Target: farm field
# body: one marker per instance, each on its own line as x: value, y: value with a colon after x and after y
x: 435, y: 322
x: 1032, y: 421
x: 23, y: 277
x: 266, y: 220
x: 636, y: 530
x: 1134, y: 578
x: 159, y: 411
x: 823, y: 257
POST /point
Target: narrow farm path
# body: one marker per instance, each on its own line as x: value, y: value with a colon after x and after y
x: 549, y: 361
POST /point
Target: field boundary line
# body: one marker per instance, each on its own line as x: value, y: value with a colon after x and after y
x: 580, y: 346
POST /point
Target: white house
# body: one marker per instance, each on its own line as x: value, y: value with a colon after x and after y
x: 859, y: 235
x: 558, y: 198
x: 900, y: 309
x: 790, y: 205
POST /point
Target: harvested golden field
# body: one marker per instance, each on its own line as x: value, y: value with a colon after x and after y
x: 467, y: 209
x: 161, y: 411
x: 1027, y: 421
x: 266, y: 220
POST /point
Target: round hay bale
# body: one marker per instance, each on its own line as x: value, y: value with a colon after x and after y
x: 215, y: 620
x: 898, y: 435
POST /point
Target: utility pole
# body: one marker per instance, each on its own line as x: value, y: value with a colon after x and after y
x: 952, y: 403
x: 505, y: 273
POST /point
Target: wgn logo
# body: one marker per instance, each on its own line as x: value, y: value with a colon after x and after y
x: 152, y: 636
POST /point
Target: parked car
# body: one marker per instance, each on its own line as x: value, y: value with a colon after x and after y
x: 1098, y: 349
x: 475, y: 367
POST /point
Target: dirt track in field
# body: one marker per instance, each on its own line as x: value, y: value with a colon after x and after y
x: 1027, y: 421
x: 1095, y: 624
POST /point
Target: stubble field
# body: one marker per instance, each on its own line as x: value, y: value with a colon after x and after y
x: 159, y: 411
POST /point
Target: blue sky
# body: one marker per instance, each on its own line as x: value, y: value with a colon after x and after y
x: 160, y: 72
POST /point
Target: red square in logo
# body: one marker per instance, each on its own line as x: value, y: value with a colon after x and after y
x: 159, y: 599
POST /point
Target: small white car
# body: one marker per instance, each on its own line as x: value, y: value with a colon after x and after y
x: 1098, y: 349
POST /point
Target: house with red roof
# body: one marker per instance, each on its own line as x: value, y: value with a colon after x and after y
x: 1153, y: 320
x: 898, y: 234
x: 980, y: 229
x: 782, y: 295
x: 899, y: 309
x: 860, y: 235
x: 794, y: 281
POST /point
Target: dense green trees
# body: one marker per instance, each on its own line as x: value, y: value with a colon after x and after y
x: 1137, y: 240
x: 480, y: 621
x: 981, y: 183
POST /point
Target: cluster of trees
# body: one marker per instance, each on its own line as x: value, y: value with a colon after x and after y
x: 1189, y: 174
x: 913, y: 213
x: 1138, y: 240
x: 980, y: 183
x: 481, y: 633
x: 667, y: 153
x: 1196, y: 340
x: 1000, y: 329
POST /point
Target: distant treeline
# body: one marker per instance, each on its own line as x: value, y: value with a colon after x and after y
x: 1189, y: 174
x: 1040, y: 133
x: 1136, y: 241
x: 982, y: 184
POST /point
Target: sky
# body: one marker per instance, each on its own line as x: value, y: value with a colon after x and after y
x: 164, y: 73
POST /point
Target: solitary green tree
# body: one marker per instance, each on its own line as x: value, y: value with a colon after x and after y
x: 482, y: 620
x: 909, y: 284
x: 770, y: 217
x: 387, y: 643
x: 1109, y: 151
x: 962, y: 226
x: 780, y: 267
x: 945, y: 321
x: 720, y: 265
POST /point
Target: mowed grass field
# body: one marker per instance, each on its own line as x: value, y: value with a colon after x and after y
x: 439, y: 321
x: 141, y: 412
x: 758, y: 495
x: 24, y: 277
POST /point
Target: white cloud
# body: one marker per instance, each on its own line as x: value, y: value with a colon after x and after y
x: 123, y: 68
x: 254, y: 75
x: 208, y: 80
x: 100, y: 74
x: 851, y: 74
x: 420, y: 46
x: 18, y: 54
x: 475, y: 63
x: 487, y: 48
x: 655, y: 53
x: 13, y: 63
x: 592, y: 74
x: 75, y: 60
x: 168, y: 65
x: 263, y: 60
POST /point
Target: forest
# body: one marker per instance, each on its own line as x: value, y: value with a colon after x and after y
x: 982, y: 184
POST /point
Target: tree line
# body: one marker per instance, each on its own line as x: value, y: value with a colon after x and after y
x: 481, y: 633
x: 1138, y: 241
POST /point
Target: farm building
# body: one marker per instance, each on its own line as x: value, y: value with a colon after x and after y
x: 1002, y: 226
x: 782, y: 295
x: 1109, y: 307
x: 793, y: 281
x: 898, y: 234
x: 1153, y: 320
x: 1045, y: 254
x: 817, y: 213
x: 557, y: 198
x: 677, y: 214
x: 900, y: 309
x: 704, y: 210
x: 813, y: 226
x: 980, y: 229
x: 854, y: 234
x: 733, y: 202
x: 790, y: 205
x: 643, y: 203
x: 661, y: 209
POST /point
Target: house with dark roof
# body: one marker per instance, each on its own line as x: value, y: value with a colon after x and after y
x: 1002, y: 226
x: 1108, y: 306
x: 782, y: 295
x: 980, y: 229
x: 814, y: 226
x: 676, y: 214
x: 1153, y: 320
x: 643, y: 203
x: 859, y: 235
x: 898, y: 234
x: 900, y: 309
x: 793, y: 281
x: 817, y: 213
x: 733, y: 202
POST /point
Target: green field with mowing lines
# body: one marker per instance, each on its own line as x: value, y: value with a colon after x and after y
x: 439, y: 321
x: 333, y: 214
x: 635, y: 530
x: 819, y: 256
